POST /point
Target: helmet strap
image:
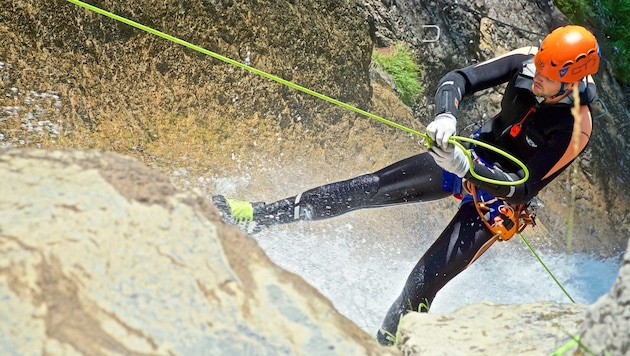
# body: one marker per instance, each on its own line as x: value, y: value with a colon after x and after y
x: 561, y: 91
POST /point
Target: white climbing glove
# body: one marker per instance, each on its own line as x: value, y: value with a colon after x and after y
x: 442, y: 128
x: 451, y: 159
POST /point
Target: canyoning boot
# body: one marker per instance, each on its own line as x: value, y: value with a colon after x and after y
x: 254, y: 217
x: 239, y: 213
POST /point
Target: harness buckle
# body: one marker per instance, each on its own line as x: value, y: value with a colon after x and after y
x: 507, y: 221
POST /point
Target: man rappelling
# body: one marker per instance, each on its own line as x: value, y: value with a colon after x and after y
x: 536, y: 125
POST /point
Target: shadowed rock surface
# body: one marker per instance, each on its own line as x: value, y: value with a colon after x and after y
x: 604, y: 331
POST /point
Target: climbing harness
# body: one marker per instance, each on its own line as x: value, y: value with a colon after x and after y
x: 502, y: 219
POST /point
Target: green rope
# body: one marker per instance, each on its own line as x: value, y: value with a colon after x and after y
x: 546, y: 268
x: 574, y: 340
x: 452, y: 140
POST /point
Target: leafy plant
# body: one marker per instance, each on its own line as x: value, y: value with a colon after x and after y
x: 404, y: 70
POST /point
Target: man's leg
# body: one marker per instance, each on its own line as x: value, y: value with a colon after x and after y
x: 464, y: 239
x: 414, y: 179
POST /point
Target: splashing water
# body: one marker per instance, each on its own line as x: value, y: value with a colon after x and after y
x: 362, y: 278
x: 363, y: 270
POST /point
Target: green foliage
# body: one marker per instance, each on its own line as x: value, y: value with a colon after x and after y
x: 578, y: 11
x: 611, y: 20
x: 400, y: 65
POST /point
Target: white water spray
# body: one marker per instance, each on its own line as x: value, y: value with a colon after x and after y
x: 363, y: 279
x: 363, y: 270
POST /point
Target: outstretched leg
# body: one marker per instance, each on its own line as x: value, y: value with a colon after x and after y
x: 460, y: 244
x: 414, y: 179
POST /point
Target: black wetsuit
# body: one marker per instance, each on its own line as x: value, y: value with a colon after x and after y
x: 544, y: 143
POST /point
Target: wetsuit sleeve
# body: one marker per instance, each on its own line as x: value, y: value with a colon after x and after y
x: 457, y: 84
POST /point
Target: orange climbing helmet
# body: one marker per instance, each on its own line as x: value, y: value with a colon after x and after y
x: 568, y: 54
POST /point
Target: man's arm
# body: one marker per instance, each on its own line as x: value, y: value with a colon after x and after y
x: 459, y: 83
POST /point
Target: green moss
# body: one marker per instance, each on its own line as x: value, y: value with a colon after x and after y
x: 400, y: 64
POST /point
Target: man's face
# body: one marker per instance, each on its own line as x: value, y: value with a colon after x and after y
x: 545, y: 87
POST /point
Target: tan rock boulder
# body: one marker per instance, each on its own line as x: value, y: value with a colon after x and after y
x: 492, y: 329
x: 100, y: 255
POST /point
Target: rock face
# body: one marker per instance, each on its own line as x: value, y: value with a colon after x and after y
x: 102, y: 256
x: 528, y: 329
x: 605, y: 330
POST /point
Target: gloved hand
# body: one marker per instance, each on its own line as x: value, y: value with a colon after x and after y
x: 442, y: 128
x: 451, y: 159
